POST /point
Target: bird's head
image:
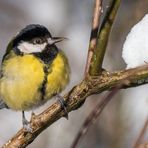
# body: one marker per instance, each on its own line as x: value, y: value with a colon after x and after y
x: 34, y: 38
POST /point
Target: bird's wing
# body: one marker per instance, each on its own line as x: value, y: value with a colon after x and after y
x: 8, y: 49
x: 3, y: 105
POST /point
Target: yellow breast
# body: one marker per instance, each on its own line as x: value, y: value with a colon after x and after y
x: 23, y: 76
x: 58, y: 76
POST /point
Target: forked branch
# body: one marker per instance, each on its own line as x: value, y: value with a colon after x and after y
x: 75, y: 98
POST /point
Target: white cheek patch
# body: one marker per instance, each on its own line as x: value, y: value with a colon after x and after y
x: 26, y: 47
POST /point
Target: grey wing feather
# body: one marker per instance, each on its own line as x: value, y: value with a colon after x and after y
x: 3, y: 104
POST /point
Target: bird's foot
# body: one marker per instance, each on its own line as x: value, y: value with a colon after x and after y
x: 26, y: 123
x: 63, y: 105
x: 27, y: 126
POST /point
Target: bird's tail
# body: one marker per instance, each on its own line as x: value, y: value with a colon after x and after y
x: 3, y: 104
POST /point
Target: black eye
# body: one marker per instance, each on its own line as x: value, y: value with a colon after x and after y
x: 37, y: 41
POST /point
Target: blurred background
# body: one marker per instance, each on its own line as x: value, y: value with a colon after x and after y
x: 123, y: 118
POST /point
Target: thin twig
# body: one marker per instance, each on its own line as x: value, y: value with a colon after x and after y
x: 91, y: 119
x: 143, y: 145
x: 142, y: 133
x: 94, y: 33
x: 99, y: 52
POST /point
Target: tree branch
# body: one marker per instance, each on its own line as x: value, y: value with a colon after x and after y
x: 99, y: 52
x: 91, y: 118
x: 145, y: 145
x: 75, y: 98
x: 142, y: 133
x: 94, y: 33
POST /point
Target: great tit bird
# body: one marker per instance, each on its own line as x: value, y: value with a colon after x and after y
x: 33, y: 70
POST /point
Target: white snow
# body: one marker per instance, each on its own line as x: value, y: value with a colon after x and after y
x: 135, y: 48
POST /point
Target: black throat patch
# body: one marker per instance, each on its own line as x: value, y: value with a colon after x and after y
x: 48, y: 55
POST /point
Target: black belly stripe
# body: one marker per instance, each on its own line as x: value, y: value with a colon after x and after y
x: 47, y: 57
x: 43, y: 86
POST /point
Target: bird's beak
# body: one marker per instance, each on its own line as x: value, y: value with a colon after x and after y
x: 54, y: 40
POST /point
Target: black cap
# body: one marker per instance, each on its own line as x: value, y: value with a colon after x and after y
x: 29, y: 32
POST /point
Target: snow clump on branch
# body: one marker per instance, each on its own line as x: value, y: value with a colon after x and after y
x: 135, y: 48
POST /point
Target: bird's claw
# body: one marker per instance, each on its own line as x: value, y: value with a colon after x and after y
x: 27, y: 126
x: 63, y: 105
